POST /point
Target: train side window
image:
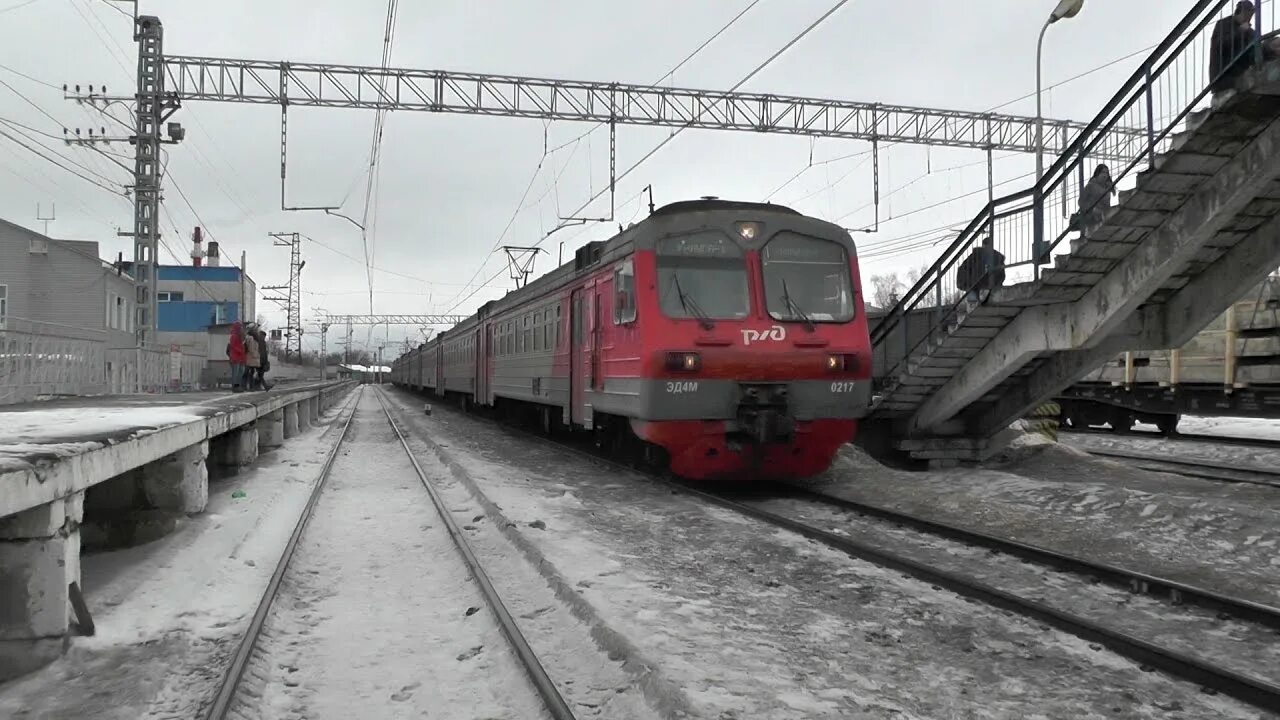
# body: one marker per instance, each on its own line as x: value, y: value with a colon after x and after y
x: 624, y: 293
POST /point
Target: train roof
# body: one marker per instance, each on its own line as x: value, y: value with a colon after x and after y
x: 712, y: 203
x: 592, y: 255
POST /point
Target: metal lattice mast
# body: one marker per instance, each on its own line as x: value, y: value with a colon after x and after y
x: 149, y: 35
x: 292, y: 300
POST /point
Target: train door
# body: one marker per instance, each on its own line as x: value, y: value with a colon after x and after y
x: 597, y: 339
x: 579, y: 359
x: 484, y: 337
x: 439, y: 368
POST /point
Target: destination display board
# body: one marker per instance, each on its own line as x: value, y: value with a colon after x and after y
x: 702, y: 245
x: 789, y: 247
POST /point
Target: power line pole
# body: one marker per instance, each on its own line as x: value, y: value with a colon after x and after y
x: 153, y: 106
x: 292, y: 300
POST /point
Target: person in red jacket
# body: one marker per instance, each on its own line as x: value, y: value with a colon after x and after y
x: 236, y: 355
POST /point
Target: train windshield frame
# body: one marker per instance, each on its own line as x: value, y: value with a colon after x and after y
x: 807, y: 278
x: 702, y: 275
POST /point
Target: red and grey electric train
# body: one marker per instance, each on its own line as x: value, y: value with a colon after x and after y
x: 722, y: 339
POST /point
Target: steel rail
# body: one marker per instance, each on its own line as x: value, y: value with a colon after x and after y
x: 1201, y: 438
x: 556, y: 704
x: 235, y: 671
x: 1255, y: 692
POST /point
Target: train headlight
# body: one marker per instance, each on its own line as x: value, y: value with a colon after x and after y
x: 748, y: 230
x: 684, y: 361
x: 842, y: 363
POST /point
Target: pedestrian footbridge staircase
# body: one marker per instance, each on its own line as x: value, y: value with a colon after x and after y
x: 1196, y: 224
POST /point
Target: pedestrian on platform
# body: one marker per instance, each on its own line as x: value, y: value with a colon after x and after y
x: 253, y: 358
x: 1231, y: 51
x: 236, y: 356
x: 264, y: 357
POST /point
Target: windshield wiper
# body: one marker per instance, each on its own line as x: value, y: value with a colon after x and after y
x: 794, y: 306
x: 690, y: 305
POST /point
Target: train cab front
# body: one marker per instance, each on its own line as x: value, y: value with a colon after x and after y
x: 762, y: 365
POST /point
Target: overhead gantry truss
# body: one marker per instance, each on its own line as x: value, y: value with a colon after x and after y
x: 393, y: 319
x: 353, y: 86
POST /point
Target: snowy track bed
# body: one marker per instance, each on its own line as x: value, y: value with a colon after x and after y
x: 746, y: 620
x: 377, y: 613
x: 1213, y: 639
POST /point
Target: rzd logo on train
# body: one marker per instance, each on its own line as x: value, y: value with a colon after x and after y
x: 776, y: 333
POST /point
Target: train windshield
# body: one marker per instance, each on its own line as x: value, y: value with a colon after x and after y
x: 702, y: 276
x: 807, y: 279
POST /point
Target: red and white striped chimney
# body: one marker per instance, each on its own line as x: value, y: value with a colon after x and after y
x: 197, y: 251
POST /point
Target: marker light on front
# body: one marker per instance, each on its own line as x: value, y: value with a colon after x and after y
x: 748, y: 230
x: 687, y: 362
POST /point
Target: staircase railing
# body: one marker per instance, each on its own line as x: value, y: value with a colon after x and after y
x: 1158, y: 96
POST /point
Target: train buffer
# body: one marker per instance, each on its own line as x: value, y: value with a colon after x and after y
x: 1195, y: 226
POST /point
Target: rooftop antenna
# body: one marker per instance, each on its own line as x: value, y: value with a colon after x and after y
x: 53, y: 212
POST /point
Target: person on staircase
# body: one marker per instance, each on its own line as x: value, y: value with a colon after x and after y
x: 981, y: 272
x: 1231, y: 51
x: 1095, y: 200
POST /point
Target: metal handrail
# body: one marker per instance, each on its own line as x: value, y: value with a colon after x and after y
x: 1137, y: 90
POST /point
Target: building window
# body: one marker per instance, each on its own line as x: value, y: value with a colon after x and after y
x: 220, y: 315
x: 168, y: 296
x: 121, y: 314
x: 4, y: 303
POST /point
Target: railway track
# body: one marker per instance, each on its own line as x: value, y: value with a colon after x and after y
x: 230, y: 688
x: 1202, y: 469
x: 1185, y: 665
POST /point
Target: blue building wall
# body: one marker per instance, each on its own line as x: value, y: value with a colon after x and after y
x: 192, y: 316
x: 183, y: 273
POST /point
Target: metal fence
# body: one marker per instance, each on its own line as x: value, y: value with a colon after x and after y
x: 1027, y: 226
x: 39, y: 359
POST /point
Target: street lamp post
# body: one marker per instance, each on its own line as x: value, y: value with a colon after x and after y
x: 1065, y: 9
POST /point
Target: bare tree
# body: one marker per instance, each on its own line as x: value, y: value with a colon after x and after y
x: 913, y: 276
x: 885, y: 290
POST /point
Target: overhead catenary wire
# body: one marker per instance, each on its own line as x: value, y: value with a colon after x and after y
x: 758, y: 69
x: 545, y: 152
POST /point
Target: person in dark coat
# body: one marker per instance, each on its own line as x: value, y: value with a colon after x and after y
x: 1231, y: 49
x: 983, y: 270
x: 264, y: 358
x: 1095, y: 198
x: 236, y: 356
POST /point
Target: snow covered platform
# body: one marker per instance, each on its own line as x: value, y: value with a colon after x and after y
x: 119, y: 453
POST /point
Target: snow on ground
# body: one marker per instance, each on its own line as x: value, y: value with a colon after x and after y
x: 1259, y: 428
x: 378, y: 615
x: 168, y: 613
x: 1216, y: 535
x: 747, y: 621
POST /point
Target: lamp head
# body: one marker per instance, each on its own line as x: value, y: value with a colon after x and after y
x: 1066, y: 9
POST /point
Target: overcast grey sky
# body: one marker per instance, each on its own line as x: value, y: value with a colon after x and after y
x: 449, y: 183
